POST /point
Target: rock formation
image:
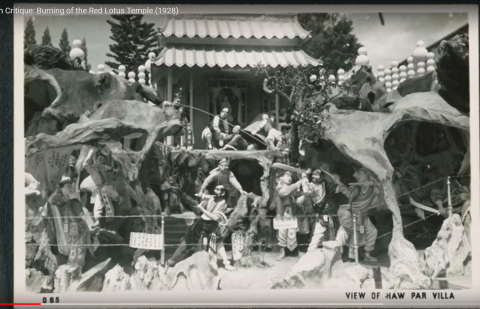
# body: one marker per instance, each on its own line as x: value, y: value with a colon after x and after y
x: 198, y: 272
x: 449, y: 252
x: 313, y: 269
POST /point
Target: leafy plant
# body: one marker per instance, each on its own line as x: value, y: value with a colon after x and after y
x: 307, y: 90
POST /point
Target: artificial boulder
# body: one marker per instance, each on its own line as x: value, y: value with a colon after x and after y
x: 313, y: 269
x: 116, y: 280
x: 149, y: 275
x: 449, y: 252
x: 36, y: 280
x: 69, y: 278
x: 405, y: 266
x: 348, y: 276
x: 198, y: 272
x: 343, y: 128
x: 64, y: 95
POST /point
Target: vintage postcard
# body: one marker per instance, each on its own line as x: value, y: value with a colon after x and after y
x: 265, y: 155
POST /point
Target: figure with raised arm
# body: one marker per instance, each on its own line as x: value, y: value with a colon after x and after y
x: 213, y: 213
x: 99, y: 165
x: 319, y: 193
x: 223, y: 176
x: 363, y: 195
x: 285, y: 203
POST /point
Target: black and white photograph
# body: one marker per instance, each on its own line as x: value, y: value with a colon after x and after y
x: 250, y: 149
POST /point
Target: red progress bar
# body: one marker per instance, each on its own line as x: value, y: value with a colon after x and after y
x: 21, y: 304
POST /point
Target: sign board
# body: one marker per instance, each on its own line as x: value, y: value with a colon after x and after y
x: 146, y: 241
x: 238, y: 243
x: 287, y: 223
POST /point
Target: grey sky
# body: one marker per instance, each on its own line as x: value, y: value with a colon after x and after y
x: 394, y: 41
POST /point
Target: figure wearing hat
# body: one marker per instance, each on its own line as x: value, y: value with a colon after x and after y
x: 71, y: 229
x: 97, y: 166
x: 319, y: 193
x: 285, y: 203
x: 186, y: 131
x: 217, y: 130
x: 363, y: 195
x: 223, y: 176
x: 213, y: 214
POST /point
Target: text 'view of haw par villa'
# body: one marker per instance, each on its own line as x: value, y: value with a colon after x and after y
x: 246, y: 141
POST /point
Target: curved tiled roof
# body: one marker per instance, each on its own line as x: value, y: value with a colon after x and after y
x: 208, y: 56
x: 234, y: 26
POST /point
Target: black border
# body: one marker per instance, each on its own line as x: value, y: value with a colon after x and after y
x: 6, y: 110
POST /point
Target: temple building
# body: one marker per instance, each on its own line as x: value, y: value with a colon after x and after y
x: 210, y: 58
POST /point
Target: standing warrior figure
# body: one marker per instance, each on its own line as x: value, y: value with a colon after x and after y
x: 97, y: 166
x: 217, y: 130
x: 285, y: 191
x: 213, y: 212
x: 319, y: 193
x: 363, y: 195
x: 223, y: 176
x: 71, y: 231
x: 186, y: 131
x: 265, y: 127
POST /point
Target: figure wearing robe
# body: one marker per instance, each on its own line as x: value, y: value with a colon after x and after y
x: 319, y: 193
x: 285, y: 204
x: 213, y: 211
x: 100, y: 167
x: 71, y: 231
x: 223, y: 176
x: 215, y: 133
x: 363, y: 196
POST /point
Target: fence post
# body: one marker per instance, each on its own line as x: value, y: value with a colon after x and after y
x: 341, y: 76
x: 395, y: 76
x: 377, y: 276
x: 388, y: 80
x: 162, y: 256
x: 381, y: 74
x: 131, y: 77
x: 101, y: 68
x: 411, y: 68
x: 355, y: 237
x: 403, y: 73
x: 421, y: 68
x: 430, y: 62
x: 450, y: 208
x: 141, y: 75
x: 121, y: 71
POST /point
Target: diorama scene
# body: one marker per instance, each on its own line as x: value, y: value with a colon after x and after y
x: 222, y: 152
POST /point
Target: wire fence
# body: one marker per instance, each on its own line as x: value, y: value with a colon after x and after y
x: 264, y: 243
x: 247, y: 216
